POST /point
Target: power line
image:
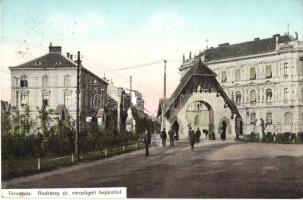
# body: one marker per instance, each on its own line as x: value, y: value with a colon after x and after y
x: 135, y: 66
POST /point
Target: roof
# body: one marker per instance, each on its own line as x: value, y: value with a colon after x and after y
x: 50, y: 60
x: 166, y: 102
x: 246, y: 48
x: 206, y: 75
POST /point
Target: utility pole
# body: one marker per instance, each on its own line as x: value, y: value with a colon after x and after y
x: 164, y: 95
x: 131, y: 88
x: 78, y: 109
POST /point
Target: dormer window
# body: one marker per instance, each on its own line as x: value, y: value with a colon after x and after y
x: 38, y: 63
x: 23, y: 82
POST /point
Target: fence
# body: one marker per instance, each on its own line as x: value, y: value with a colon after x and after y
x: 22, y: 167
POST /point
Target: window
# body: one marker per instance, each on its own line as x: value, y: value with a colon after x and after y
x: 268, y: 95
x: 285, y: 94
x: 253, y: 96
x: 252, y: 118
x: 44, y: 81
x: 23, y: 82
x: 223, y: 77
x: 285, y: 69
x: 45, y: 100
x: 268, y: 118
x: 237, y: 75
x: 253, y: 73
x: 238, y: 97
x: 24, y: 99
x: 102, y: 92
x: 268, y: 71
x: 66, y: 81
x: 67, y: 100
x: 288, y: 118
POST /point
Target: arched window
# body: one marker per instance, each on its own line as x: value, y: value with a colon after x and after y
x: 288, y: 118
x: 252, y: 118
x: 45, y: 99
x: 23, y: 82
x: 44, y: 81
x: 268, y: 118
x: 253, y: 98
x: 285, y: 93
x: 238, y: 97
x: 268, y: 95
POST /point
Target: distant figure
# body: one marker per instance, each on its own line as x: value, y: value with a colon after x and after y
x: 163, y: 136
x: 147, y: 141
x: 205, y: 133
x: 223, y: 133
x: 192, y: 138
x: 198, y: 135
x: 171, y: 137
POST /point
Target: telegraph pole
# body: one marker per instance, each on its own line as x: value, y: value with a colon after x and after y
x: 131, y: 88
x: 164, y: 95
x: 78, y: 109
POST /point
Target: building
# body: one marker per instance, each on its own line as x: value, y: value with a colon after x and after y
x: 200, y: 102
x: 50, y: 82
x: 264, y: 77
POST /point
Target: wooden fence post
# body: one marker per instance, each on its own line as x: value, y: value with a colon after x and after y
x: 123, y: 148
x: 105, y: 152
x: 38, y: 164
x: 72, y: 157
x: 136, y: 145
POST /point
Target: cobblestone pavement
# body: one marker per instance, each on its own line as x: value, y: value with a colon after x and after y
x: 214, y: 170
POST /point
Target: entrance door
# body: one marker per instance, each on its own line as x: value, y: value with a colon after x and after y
x: 199, y: 114
x: 175, y: 129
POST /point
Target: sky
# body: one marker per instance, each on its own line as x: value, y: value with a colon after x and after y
x: 116, y: 34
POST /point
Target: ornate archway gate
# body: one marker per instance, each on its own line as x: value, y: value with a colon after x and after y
x: 199, y: 84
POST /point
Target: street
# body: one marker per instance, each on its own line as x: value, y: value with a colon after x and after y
x: 214, y: 170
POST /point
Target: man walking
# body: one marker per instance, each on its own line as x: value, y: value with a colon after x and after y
x: 147, y: 141
x: 171, y: 137
x: 192, y: 138
x: 198, y: 135
x: 163, y: 136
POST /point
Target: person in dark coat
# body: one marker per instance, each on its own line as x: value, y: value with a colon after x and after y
x: 192, y: 138
x: 147, y: 141
x: 171, y: 137
x: 198, y: 135
x: 163, y: 136
x: 223, y: 134
x: 206, y: 133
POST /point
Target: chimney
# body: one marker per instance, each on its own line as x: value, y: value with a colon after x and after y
x: 54, y: 49
x: 257, y: 39
x: 276, y: 35
x: 67, y: 54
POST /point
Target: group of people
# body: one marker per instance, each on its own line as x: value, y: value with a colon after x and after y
x: 194, y: 137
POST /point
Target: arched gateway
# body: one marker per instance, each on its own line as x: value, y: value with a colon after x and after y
x: 200, y: 101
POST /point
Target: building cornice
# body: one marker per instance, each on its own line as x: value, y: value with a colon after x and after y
x: 235, y: 59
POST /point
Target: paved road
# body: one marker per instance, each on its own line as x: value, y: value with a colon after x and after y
x: 214, y: 169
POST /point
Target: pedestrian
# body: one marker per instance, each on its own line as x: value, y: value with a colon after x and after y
x: 223, y: 128
x: 171, y: 137
x: 192, y: 138
x: 163, y: 136
x: 147, y: 141
x: 198, y: 135
x: 205, y: 133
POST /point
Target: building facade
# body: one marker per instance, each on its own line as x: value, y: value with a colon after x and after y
x: 50, y: 82
x: 264, y: 78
